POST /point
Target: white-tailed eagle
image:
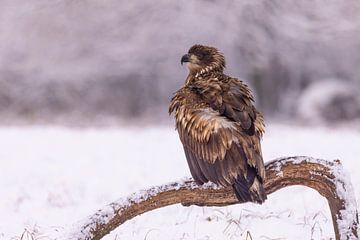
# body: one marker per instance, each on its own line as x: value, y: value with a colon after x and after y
x: 219, y: 126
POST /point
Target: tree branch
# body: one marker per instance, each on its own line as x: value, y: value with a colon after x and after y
x: 327, y: 178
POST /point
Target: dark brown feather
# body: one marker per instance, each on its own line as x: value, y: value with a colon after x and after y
x: 220, y: 129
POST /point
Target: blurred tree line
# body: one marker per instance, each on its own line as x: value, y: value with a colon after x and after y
x: 85, y: 61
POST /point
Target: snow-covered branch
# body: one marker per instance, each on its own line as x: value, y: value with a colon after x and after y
x: 327, y: 178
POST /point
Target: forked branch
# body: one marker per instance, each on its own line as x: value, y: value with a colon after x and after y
x: 327, y: 178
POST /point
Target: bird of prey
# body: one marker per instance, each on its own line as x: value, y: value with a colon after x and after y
x: 219, y: 127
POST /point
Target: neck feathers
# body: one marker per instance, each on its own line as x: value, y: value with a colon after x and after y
x: 209, y: 69
x: 216, y: 65
x: 203, y: 73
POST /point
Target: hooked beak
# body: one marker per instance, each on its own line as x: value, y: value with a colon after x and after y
x: 185, y: 59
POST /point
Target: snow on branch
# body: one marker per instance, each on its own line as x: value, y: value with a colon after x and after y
x: 327, y: 178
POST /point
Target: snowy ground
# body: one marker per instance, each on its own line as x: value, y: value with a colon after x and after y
x: 52, y: 176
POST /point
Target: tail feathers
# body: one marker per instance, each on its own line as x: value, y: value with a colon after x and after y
x: 249, y: 191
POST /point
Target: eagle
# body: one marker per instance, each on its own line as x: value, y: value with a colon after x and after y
x: 219, y: 126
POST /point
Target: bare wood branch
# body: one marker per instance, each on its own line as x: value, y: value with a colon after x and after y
x: 327, y: 178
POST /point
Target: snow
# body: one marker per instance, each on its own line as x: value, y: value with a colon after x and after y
x: 105, y: 215
x: 338, y: 101
x: 343, y: 185
x: 345, y: 191
x: 53, y: 177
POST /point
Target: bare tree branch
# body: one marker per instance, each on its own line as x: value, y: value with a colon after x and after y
x: 327, y: 178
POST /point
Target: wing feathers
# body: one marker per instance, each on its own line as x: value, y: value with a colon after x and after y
x: 221, y: 130
x: 194, y: 167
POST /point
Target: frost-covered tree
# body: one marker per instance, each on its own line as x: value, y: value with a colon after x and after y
x: 84, y: 59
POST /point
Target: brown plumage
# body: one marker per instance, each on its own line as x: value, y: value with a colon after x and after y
x: 219, y: 126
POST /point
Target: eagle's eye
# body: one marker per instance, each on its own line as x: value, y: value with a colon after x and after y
x: 200, y: 56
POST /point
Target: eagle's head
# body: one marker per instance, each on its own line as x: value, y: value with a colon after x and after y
x: 205, y: 58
